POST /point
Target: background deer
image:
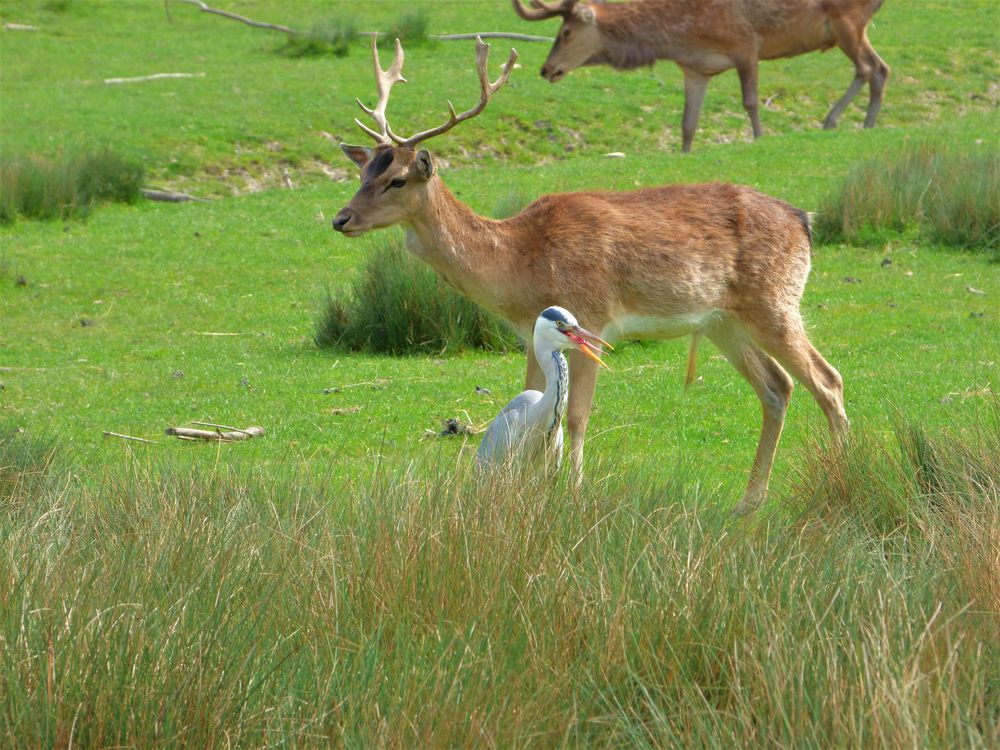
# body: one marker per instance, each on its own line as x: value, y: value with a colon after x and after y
x: 718, y: 260
x: 707, y: 38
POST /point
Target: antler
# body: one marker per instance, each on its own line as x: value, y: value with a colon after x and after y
x: 487, y: 89
x: 384, y: 80
x: 543, y: 10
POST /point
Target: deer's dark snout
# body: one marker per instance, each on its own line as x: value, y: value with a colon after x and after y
x: 340, y: 220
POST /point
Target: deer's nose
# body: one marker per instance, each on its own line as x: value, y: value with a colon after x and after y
x: 545, y: 71
x: 340, y: 220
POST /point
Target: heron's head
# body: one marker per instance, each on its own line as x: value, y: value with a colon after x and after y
x: 557, y: 328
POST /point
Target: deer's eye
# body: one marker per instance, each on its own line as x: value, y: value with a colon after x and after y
x: 565, y: 34
x: 397, y: 183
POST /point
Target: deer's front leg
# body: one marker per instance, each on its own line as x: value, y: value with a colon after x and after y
x: 582, y: 382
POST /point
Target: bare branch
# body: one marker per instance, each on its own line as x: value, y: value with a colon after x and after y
x: 234, y: 16
x: 187, y: 433
x: 19, y: 27
x: 129, y: 437
x: 491, y: 35
x: 169, y: 196
x: 154, y: 77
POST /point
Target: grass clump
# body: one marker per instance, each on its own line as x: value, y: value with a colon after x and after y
x: 331, y: 36
x: 156, y: 607
x: 398, y: 305
x: 949, y: 196
x: 411, y: 27
x: 66, y: 187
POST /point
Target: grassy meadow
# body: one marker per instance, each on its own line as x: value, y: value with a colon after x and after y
x: 344, y: 580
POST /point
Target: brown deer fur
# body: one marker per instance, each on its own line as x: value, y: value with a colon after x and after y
x: 718, y: 260
x: 706, y: 38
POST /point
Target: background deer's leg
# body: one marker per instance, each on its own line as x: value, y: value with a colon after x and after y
x: 785, y: 339
x: 774, y: 389
x: 852, y: 40
x: 694, y: 96
x: 582, y: 382
x: 748, y: 83
x: 876, y: 84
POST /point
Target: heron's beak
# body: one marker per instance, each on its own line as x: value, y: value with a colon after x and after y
x: 588, y: 343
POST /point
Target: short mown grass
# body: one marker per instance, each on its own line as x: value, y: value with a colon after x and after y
x: 948, y: 196
x: 398, y: 305
x: 66, y: 186
x: 155, y: 605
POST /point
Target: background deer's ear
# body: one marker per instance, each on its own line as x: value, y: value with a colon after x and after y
x: 423, y: 165
x: 360, y: 155
x: 584, y: 13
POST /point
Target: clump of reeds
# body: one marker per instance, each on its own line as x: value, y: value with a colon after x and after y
x: 163, y: 606
x: 67, y: 186
x: 947, y: 194
x: 398, y: 305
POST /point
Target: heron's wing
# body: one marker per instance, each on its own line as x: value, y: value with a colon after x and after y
x: 508, y: 430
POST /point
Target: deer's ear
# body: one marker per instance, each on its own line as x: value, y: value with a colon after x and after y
x: 360, y: 155
x: 423, y: 165
x: 584, y: 13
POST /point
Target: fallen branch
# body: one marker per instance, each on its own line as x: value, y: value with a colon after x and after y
x: 294, y: 32
x: 19, y: 27
x: 230, y: 436
x: 170, y: 196
x: 234, y: 16
x: 491, y: 35
x: 153, y: 77
x: 129, y: 437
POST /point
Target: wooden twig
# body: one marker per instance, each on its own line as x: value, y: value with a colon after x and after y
x: 221, y: 427
x: 234, y: 16
x: 129, y: 437
x: 153, y: 77
x: 294, y: 32
x: 189, y: 433
x: 491, y: 35
x: 170, y: 196
x: 19, y: 27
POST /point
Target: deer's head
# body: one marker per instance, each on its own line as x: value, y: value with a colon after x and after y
x: 578, y: 40
x: 395, y: 175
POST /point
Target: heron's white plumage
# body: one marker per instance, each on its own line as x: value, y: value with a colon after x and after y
x: 529, y: 428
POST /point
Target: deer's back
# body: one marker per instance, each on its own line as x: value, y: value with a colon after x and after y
x: 662, y: 251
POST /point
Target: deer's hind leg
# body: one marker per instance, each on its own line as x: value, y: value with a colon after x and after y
x: 784, y: 338
x: 774, y: 389
x: 869, y: 68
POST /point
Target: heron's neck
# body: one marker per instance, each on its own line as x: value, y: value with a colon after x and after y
x: 553, y: 401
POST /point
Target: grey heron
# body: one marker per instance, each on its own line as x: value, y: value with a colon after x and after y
x: 530, y: 426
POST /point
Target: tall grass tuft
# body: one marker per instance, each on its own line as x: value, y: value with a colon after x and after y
x: 398, y: 305
x: 411, y: 26
x: 331, y: 36
x: 949, y: 195
x: 68, y: 186
x: 152, y: 607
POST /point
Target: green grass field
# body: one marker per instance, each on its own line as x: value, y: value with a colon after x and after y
x: 332, y: 581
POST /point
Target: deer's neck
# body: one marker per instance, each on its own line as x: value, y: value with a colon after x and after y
x: 469, y: 251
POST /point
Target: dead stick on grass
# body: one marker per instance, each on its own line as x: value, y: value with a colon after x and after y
x: 129, y: 437
x: 293, y: 32
x: 170, y: 196
x: 153, y: 77
x: 188, y: 433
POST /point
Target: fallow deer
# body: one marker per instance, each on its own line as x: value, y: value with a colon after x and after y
x: 707, y: 38
x: 718, y: 260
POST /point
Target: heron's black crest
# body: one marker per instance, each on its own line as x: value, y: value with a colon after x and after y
x: 556, y: 315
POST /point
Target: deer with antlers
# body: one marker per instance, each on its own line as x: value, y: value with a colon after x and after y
x: 706, y: 38
x: 716, y: 260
